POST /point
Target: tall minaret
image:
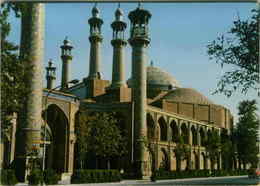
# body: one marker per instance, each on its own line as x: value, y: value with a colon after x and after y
x: 95, y: 39
x: 50, y: 75
x: 139, y: 40
x: 118, y: 42
x: 66, y: 59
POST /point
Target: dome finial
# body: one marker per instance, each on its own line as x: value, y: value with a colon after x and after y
x: 139, y: 4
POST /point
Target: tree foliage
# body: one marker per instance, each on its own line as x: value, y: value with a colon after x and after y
x: 213, y: 147
x: 13, y: 87
x: 228, y: 149
x: 239, y: 49
x: 100, y: 134
x: 246, y: 132
x: 182, y: 152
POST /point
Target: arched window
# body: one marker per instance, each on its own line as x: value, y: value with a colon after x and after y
x: 202, y: 137
x: 184, y: 133
x: 194, y: 136
x: 163, y: 129
x: 150, y: 127
x: 174, y: 132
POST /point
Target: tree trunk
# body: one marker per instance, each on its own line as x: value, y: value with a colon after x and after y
x: 108, y: 163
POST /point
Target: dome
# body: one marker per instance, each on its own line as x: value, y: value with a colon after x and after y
x: 159, y: 79
x: 187, y: 95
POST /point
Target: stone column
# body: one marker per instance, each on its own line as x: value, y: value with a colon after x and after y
x: 31, y: 53
x: 139, y: 60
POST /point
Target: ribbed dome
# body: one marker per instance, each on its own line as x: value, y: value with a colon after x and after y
x: 157, y: 78
x: 187, y: 95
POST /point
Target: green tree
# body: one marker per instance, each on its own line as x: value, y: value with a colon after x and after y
x: 239, y: 49
x: 227, y: 149
x: 82, y: 132
x: 13, y: 88
x: 246, y: 132
x: 101, y: 135
x: 182, y: 152
x: 213, y: 147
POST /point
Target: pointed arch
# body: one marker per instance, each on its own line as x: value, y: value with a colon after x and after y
x: 58, y: 127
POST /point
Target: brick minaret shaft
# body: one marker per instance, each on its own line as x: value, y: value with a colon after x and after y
x: 66, y: 57
x: 95, y: 39
x: 50, y: 75
x: 139, y: 40
x: 118, y: 42
x: 31, y: 53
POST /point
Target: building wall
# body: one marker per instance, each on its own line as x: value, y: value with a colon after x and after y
x: 211, y: 114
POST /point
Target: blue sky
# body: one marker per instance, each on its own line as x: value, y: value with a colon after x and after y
x: 180, y: 33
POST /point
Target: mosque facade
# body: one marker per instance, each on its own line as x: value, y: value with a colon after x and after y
x: 152, y: 103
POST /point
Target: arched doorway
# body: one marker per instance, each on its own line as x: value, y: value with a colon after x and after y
x: 57, y: 136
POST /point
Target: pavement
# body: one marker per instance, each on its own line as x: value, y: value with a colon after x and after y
x: 222, y: 181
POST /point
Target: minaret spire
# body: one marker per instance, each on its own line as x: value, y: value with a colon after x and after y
x: 66, y: 57
x: 95, y: 38
x: 118, y: 42
x: 50, y: 75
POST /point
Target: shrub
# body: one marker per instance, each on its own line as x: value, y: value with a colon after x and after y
x: 50, y: 177
x: 8, y: 177
x: 35, y: 177
x: 162, y: 174
x: 95, y: 176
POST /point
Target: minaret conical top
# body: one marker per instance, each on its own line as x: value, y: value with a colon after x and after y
x: 95, y: 11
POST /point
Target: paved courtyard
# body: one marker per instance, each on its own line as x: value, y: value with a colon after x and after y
x: 231, y: 180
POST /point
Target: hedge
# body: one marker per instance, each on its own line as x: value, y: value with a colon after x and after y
x: 35, y: 177
x: 161, y: 174
x: 50, y: 177
x: 95, y: 176
x: 8, y: 177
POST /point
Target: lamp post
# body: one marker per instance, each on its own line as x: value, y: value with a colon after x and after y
x: 75, y: 81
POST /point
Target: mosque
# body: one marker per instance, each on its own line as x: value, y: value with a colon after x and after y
x: 152, y: 103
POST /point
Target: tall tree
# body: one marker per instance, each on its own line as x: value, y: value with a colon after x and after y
x: 246, y: 132
x: 101, y: 135
x: 228, y: 149
x: 239, y: 49
x: 13, y: 88
x: 213, y: 147
x: 182, y: 152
